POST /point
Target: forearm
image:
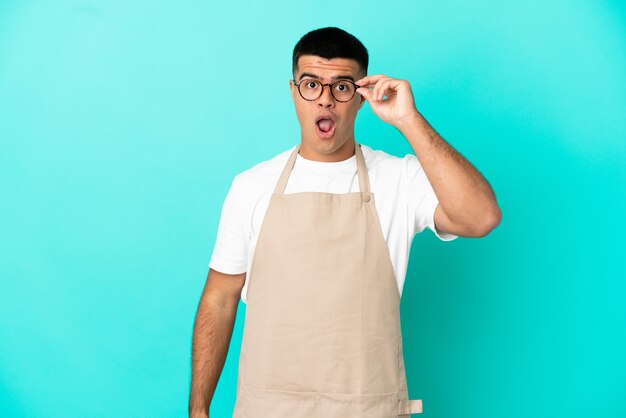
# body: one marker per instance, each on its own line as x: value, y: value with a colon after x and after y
x: 211, y: 338
x: 463, y: 193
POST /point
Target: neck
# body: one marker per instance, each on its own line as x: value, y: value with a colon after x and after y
x: 345, y: 151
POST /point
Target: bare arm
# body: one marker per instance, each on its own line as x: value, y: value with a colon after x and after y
x: 467, y: 204
x: 212, y: 332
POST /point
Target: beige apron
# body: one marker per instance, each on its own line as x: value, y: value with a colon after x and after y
x: 322, y: 334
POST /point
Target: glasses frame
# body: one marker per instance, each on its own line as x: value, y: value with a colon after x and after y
x: 330, y: 86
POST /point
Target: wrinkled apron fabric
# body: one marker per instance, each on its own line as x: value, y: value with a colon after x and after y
x: 322, y: 334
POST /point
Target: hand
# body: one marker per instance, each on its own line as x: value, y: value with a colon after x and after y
x: 397, y: 107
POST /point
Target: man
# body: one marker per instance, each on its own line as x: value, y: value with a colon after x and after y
x: 316, y: 240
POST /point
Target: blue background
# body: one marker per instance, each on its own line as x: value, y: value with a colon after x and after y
x: 123, y: 123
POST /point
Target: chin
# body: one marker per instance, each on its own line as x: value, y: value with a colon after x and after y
x: 326, y: 145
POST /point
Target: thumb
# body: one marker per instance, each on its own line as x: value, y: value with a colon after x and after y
x: 365, y: 93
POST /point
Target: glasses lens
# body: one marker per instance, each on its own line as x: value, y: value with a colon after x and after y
x: 343, y: 90
x: 310, y: 89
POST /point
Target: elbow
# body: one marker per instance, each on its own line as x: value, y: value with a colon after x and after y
x: 490, y: 222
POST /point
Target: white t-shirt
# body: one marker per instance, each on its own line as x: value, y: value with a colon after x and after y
x: 403, y: 196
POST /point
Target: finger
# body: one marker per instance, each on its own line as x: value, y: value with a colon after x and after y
x: 365, y: 93
x: 379, y: 88
x: 388, y: 87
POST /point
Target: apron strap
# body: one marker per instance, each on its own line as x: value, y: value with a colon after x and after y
x: 410, y: 407
x: 364, y: 182
x: 364, y: 178
x: 282, y: 181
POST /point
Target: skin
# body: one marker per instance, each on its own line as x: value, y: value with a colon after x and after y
x: 213, y: 330
x: 467, y: 205
x: 341, y: 145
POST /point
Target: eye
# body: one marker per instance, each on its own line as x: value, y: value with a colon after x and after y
x: 343, y: 86
x: 311, y: 84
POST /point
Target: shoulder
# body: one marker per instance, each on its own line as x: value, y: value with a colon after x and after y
x: 260, y: 175
x: 265, y: 169
x: 388, y: 163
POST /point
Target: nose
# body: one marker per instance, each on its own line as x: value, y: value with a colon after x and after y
x: 326, y: 99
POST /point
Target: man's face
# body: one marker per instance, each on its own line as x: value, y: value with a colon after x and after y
x: 333, y: 139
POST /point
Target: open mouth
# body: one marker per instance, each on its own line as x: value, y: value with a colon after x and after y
x: 325, y: 126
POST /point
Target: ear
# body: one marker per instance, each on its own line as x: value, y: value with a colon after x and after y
x: 362, y: 101
x: 292, y: 88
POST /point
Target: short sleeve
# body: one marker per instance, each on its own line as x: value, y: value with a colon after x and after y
x: 422, y: 200
x: 231, y: 246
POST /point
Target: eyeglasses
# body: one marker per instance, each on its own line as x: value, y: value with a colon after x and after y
x: 311, y: 89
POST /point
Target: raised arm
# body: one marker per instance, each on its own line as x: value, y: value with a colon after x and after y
x: 467, y: 204
x: 212, y: 332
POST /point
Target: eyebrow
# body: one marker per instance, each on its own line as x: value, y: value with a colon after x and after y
x: 339, y: 77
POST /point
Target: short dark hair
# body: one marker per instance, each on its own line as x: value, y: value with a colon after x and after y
x: 330, y: 42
